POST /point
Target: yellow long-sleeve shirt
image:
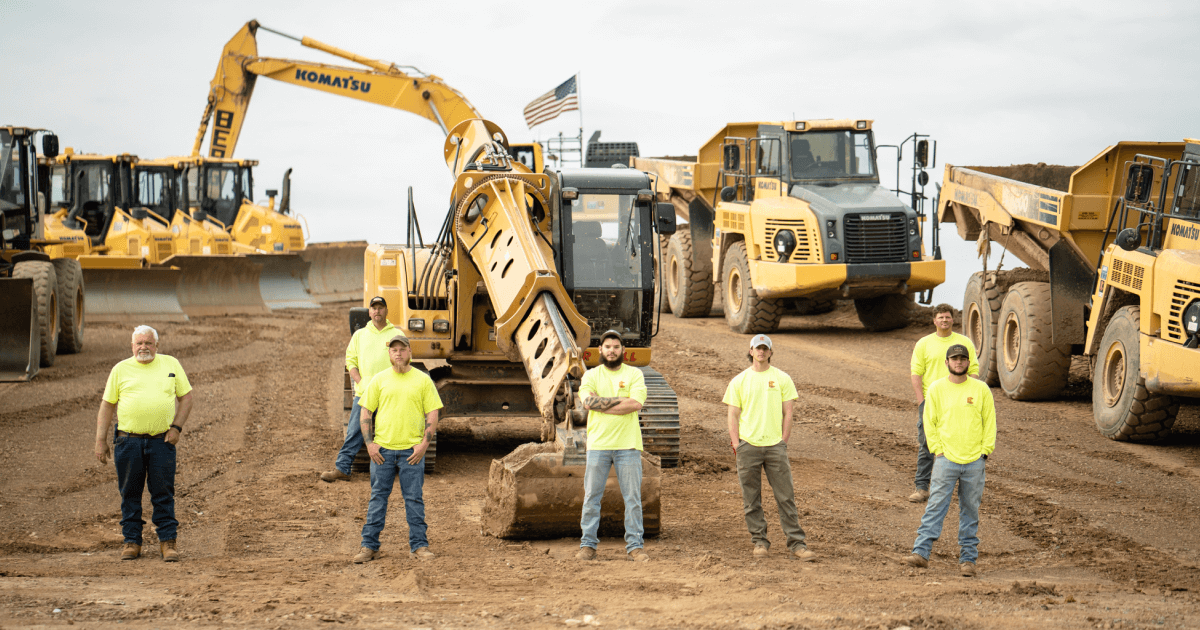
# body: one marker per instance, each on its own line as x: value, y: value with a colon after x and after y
x: 960, y: 420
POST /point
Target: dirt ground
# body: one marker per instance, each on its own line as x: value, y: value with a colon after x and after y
x: 1077, y: 531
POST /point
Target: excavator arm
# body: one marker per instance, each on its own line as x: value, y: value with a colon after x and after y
x: 380, y: 82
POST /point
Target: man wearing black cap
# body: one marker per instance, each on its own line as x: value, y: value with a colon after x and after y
x: 613, y: 394
x: 960, y: 426
x: 928, y: 365
x: 366, y: 356
x: 399, y: 419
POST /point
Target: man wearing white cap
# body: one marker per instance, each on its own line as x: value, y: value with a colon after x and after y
x: 760, y: 403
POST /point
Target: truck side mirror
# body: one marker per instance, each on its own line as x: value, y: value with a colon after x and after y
x: 922, y: 178
x: 50, y: 145
x: 1138, y: 181
x: 285, y: 201
x: 733, y: 158
x: 664, y: 219
x: 922, y: 153
x: 728, y: 193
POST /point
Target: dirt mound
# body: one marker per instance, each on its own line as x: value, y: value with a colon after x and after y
x: 1040, y: 174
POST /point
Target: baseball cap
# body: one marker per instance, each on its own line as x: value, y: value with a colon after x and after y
x: 401, y: 338
x: 760, y: 340
x: 611, y: 333
x: 378, y: 300
x: 958, y: 350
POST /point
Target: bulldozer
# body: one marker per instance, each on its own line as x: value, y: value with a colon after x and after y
x: 529, y: 267
x: 41, y: 290
x: 790, y: 216
x: 1113, y: 256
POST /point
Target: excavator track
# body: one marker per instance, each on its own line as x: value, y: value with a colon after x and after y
x: 660, y: 419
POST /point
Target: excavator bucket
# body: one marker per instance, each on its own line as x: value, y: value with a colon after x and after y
x: 19, y: 341
x: 536, y: 491
x: 281, y: 281
x: 219, y: 285
x: 143, y: 294
x: 335, y: 272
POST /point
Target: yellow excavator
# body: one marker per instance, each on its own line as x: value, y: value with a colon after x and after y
x: 530, y: 266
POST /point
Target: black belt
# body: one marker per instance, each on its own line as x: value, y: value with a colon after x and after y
x: 140, y: 435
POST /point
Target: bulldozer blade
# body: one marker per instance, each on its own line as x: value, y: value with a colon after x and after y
x: 19, y: 340
x: 281, y: 281
x: 532, y: 494
x: 218, y: 285
x: 146, y: 294
x: 335, y: 272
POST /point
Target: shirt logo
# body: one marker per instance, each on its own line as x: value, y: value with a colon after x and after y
x: 620, y: 383
x: 970, y: 400
x: 770, y: 384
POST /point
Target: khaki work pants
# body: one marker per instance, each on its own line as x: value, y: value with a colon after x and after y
x: 752, y: 462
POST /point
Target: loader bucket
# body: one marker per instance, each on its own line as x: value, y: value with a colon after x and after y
x: 19, y: 341
x: 141, y: 294
x: 281, y: 281
x: 335, y: 272
x: 532, y: 494
x: 219, y: 285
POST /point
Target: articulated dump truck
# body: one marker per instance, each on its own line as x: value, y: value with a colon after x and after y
x: 530, y: 266
x: 1113, y: 275
x: 790, y: 216
x: 41, y: 290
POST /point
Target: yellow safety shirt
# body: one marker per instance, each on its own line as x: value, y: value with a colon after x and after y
x: 402, y: 400
x: 145, y: 393
x: 960, y: 420
x: 368, y: 352
x: 605, y: 431
x: 760, y: 396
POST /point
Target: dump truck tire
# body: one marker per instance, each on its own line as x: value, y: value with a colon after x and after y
x: 1123, y: 408
x: 689, y: 283
x: 71, y: 305
x: 981, y: 310
x: 744, y: 310
x: 883, y: 312
x: 45, y: 285
x: 1031, y: 366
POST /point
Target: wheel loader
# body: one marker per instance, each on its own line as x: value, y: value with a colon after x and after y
x: 1113, y: 275
x: 530, y: 266
x: 41, y: 290
x: 790, y: 216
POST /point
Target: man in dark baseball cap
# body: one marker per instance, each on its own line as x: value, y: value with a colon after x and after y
x: 377, y: 301
x: 958, y: 350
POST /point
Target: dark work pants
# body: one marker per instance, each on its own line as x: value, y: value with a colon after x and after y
x: 924, y: 457
x: 146, y: 463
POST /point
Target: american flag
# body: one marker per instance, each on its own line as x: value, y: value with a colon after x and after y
x: 548, y: 106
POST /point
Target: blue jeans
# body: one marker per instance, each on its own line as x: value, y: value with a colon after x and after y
x: 629, y: 477
x: 970, y: 479
x: 145, y: 463
x: 354, y: 440
x: 383, y: 476
x: 924, y: 457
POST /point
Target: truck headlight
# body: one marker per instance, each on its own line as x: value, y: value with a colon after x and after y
x: 785, y: 244
x: 416, y: 325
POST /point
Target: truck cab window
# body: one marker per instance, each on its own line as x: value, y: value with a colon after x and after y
x: 823, y: 155
x: 607, y: 252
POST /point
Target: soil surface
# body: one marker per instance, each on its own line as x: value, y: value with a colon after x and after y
x: 1077, y: 531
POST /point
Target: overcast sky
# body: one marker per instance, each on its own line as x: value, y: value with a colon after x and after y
x: 993, y: 82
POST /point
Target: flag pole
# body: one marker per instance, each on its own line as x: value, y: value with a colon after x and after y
x: 579, y: 96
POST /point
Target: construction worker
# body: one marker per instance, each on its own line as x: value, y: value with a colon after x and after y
x: 154, y: 399
x: 613, y: 394
x: 366, y: 356
x: 960, y: 424
x: 928, y: 365
x: 399, y: 421
x: 760, y: 401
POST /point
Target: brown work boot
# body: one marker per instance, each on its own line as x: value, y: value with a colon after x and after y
x: 639, y: 555
x: 366, y: 554
x: 331, y: 476
x: 967, y: 569
x: 167, y: 549
x: 131, y: 551
x: 585, y: 553
x: 761, y: 551
x: 804, y: 554
x: 915, y: 560
x: 424, y: 554
x: 920, y: 496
